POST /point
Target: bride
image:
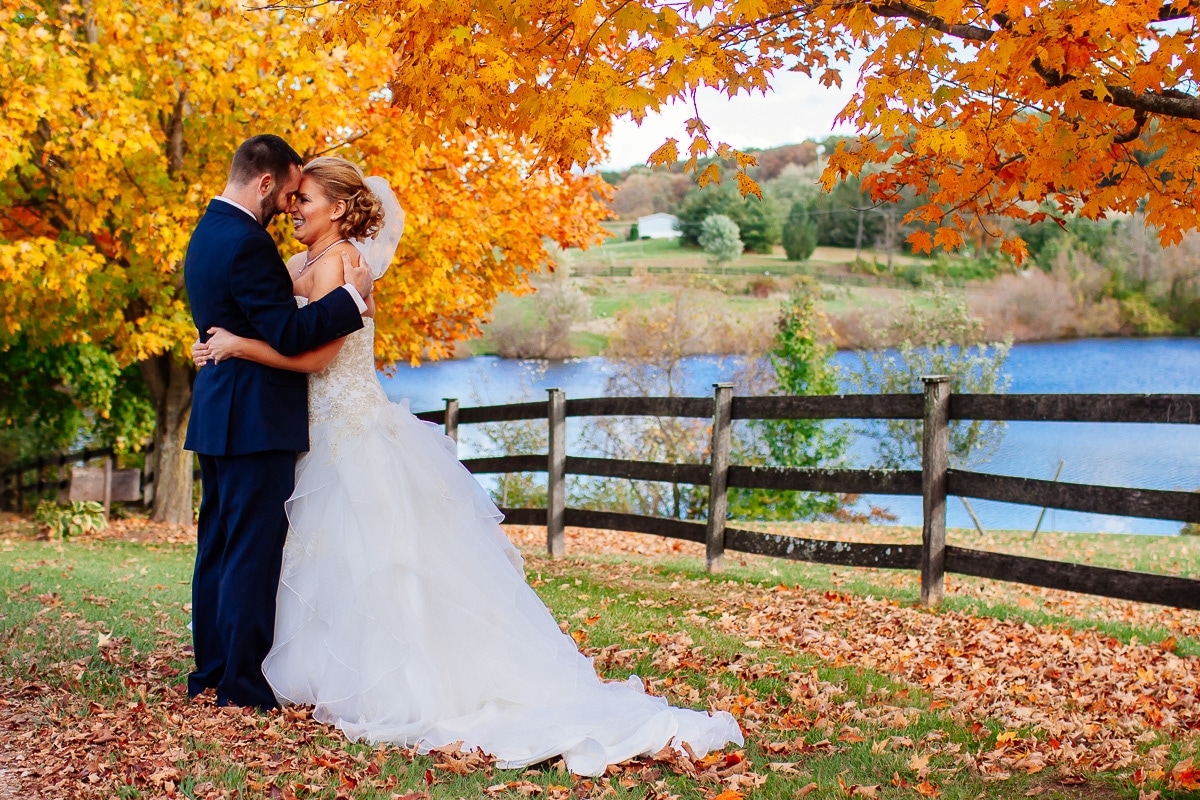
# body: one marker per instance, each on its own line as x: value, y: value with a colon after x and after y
x: 403, y: 612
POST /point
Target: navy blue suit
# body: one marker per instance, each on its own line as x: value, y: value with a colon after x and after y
x: 248, y: 422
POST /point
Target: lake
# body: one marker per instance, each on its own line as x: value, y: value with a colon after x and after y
x: 1131, y: 455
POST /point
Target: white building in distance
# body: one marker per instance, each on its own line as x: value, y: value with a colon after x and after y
x: 658, y: 226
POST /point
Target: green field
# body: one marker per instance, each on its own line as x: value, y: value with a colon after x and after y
x: 622, y: 276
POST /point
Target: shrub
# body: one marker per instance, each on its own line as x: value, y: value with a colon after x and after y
x: 799, y: 233
x: 719, y: 238
x: 76, y: 519
x: 939, y: 336
x: 913, y: 273
x: 1144, y: 318
x: 538, y: 326
x: 634, y: 235
x: 647, y: 348
x: 762, y: 287
x: 801, y: 361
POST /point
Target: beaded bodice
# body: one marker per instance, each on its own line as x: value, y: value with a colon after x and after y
x: 348, y: 388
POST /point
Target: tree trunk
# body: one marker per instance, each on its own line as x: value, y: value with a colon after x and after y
x: 170, y: 384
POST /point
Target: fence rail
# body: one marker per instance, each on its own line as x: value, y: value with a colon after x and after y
x: 936, y: 409
x: 49, y: 474
x: 19, y: 494
x: 934, y: 482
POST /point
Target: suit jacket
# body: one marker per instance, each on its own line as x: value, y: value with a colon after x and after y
x: 236, y: 280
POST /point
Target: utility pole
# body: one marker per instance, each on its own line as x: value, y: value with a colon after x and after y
x: 858, y: 236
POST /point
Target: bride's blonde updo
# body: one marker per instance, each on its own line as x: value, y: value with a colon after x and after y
x: 341, y: 180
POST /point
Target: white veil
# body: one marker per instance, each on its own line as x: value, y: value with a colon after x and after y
x: 378, y: 250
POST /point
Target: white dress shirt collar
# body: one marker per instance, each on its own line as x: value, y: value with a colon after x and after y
x: 358, y: 299
x: 236, y: 204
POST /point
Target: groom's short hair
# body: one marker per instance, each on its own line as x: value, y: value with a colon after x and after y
x: 260, y: 154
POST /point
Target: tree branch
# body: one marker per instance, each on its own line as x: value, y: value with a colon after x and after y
x: 1166, y: 103
x: 896, y: 8
x: 331, y: 148
x: 1139, y: 122
x: 175, y: 137
x: 1168, y: 12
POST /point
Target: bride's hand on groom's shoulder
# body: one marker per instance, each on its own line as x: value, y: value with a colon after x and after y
x: 357, y: 272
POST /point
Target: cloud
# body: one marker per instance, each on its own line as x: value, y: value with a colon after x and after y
x: 798, y: 108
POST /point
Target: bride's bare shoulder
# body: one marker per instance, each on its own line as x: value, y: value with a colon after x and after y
x: 327, y: 272
x: 295, y: 264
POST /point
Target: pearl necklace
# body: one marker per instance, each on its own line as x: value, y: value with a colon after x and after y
x: 309, y: 262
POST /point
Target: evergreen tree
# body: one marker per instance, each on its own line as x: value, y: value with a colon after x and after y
x: 759, y: 225
x: 799, y: 233
x: 803, y: 366
x: 700, y: 204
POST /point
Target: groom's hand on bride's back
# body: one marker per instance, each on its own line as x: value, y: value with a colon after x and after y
x: 358, y: 273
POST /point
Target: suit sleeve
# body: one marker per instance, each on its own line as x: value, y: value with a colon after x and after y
x: 262, y: 290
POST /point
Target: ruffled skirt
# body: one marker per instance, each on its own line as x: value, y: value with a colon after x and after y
x: 404, y: 616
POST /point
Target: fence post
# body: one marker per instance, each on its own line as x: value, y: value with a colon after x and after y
x: 935, y: 461
x: 556, y: 473
x: 41, y: 477
x: 714, y: 534
x: 148, y: 476
x: 60, y: 472
x: 108, y: 475
x: 451, y: 417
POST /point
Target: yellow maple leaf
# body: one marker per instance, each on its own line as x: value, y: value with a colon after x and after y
x: 666, y: 154
x: 710, y: 174
x: 748, y: 186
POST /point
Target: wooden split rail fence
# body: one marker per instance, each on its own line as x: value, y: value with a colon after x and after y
x: 933, y: 482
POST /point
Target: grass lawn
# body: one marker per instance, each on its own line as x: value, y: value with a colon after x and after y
x: 843, y: 686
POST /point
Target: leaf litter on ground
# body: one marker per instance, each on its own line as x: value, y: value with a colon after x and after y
x: 949, y: 697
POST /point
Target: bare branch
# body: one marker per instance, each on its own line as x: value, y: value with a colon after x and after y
x: 343, y: 143
x: 895, y: 8
x: 1139, y: 122
x: 290, y: 7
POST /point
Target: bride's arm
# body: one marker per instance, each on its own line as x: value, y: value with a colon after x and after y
x: 222, y: 345
x: 327, y: 277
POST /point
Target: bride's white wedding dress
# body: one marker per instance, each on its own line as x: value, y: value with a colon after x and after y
x: 404, y: 615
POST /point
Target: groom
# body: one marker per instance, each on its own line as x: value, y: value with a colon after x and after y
x: 249, y: 421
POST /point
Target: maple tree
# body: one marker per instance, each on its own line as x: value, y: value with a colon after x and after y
x: 121, y: 120
x: 1017, y: 108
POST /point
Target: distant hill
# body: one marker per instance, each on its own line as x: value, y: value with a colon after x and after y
x: 770, y: 163
x: 641, y: 190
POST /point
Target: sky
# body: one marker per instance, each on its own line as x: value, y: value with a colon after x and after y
x: 799, y: 108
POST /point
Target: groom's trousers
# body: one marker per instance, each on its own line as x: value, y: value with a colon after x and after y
x: 240, y: 536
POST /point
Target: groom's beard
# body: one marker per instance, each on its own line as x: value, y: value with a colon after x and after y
x: 268, y: 207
